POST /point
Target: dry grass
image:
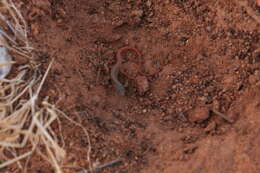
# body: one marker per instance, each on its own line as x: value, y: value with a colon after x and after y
x: 25, y: 121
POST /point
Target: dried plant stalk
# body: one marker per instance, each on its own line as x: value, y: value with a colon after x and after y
x: 23, y: 121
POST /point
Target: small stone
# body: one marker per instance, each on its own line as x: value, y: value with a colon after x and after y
x: 174, y: 86
x: 216, y: 104
x: 144, y: 110
x: 138, y: 13
x: 199, y: 114
x: 44, y: 4
x: 117, y: 22
x: 167, y: 2
x: 149, y: 3
x: 211, y: 127
x: 182, y: 117
x: 34, y: 14
x: 258, y: 85
x: 208, y: 28
x: 203, y: 99
x: 59, y: 21
x: 252, y: 79
x: 142, y: 84
x: 96, y: 99
x: 62, y: 12
x: 190, y: 149
x: 35, y: 29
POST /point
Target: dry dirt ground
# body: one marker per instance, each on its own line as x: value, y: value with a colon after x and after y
x: 192, y: 102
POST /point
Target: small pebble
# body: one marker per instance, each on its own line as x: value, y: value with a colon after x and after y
x: 208, y: 28
x: 138, y: 13
x: 211, y: 127
x: 252, y: 79
x: 199, y: 114
x: 44, y: 4
x: 142, y: 84
x: 216, y: 104
x: 35, y: 29
x: 149, y: 3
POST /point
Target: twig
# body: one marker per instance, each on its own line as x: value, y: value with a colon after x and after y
x: 112, y: 163
x: 15, y: 159
x: 223, y: 116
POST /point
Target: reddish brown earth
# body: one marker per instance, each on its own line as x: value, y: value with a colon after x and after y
x: 196, y: 56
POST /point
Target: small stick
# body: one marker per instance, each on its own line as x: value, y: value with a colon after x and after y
x: 7, y: 36
x: 112, y: 163
x: 223, y: 116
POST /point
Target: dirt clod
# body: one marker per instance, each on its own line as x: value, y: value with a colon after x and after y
x: 252, y: 79
x: 199, y: 114
x: 211, y: 127
x: 21, y: 60
x: 142, y: 84
x: 137, y: 13
x: 44, y: 4
x: 35, y: 29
